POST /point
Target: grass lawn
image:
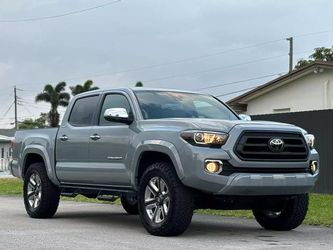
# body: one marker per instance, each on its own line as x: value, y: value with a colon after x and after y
x: 320, y: 209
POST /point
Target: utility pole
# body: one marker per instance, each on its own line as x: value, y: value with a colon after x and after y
x: 290, y: 39
x: 15, y: 107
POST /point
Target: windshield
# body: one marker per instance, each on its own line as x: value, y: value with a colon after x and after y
x: 163, y: 104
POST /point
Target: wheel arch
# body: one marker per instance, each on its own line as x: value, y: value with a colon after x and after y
x: 155, y: 151
x: 34, y: 154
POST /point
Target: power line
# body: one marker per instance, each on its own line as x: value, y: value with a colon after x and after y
x: 314, y: 33
x: 59, y: 15
x: 195, y: 58
x: 188, y: 59
x: 240, y: 81
x: 234, y: 92
x: 10, y: 106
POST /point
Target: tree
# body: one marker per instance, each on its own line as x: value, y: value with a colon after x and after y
x: 83, y: 88
x: 320, y: 54
x: 30, y: 123
x: 56, y: 96
x: 139, y: 84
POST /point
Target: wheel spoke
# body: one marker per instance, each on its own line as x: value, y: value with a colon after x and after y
x: 154, y: 214
x: 32, y: 180
x: 166, y: 205
x: 150, y: 201
x: 152, y: 191
x: 35, y: 202
x: 38, y: 180
x: 162, y: 212
x: 31, y: 200
x: 151, y: 206
x: 30, y: 193
x: 153, y: 186
x: 157, y: 215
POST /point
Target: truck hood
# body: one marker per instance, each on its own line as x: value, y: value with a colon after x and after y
x: 206, y: 124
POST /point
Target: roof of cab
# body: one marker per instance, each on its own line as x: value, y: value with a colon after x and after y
x: 135, y: 89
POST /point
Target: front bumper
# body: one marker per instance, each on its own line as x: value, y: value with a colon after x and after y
x: 245, y: 183
x: 268, y: 184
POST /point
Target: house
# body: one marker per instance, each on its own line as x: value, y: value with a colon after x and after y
x: 306, y: 89
x: 6, y: 137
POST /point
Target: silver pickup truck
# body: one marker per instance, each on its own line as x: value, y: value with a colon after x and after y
x: 166, y: 153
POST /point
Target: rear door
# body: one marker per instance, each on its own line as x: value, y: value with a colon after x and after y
x: 108, y: 150
x: 72, y: 143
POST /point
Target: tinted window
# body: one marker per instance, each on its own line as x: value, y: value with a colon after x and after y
x: 113, y: 101
x: 162, y: 104
x: 83, y: 111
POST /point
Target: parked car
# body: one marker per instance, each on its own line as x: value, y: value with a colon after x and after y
x: 166, y: 153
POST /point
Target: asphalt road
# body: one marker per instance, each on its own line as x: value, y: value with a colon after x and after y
x: 101, y: 226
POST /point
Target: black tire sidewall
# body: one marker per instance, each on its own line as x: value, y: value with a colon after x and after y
x: 291, y: 216
x: 181, y: 202
x: 49, y: 197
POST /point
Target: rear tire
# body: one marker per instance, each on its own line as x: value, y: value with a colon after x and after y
x: 41, y: 196
x: 289, y: 217
x: 130, y: 204
x: 165, y: 204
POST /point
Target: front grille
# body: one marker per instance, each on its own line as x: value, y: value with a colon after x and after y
x: 254, y: 146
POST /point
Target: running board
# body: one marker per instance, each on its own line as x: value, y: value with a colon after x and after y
x: 110, y: 198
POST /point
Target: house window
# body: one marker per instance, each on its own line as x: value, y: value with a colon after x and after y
x: 2, y: 153
x: 281, y: 110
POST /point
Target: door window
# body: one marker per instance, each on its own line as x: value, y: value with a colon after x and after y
x: 83, y: 111
x: 113, y: 101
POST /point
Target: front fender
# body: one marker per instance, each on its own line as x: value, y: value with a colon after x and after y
x: 156, y: 146
x: 41, y: 151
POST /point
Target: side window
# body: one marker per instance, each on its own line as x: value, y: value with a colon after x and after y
x: 113, y: 101
x: 83, y: 111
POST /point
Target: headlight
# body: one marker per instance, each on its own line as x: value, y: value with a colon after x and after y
x: 310, y: 140
x: 208, y: 139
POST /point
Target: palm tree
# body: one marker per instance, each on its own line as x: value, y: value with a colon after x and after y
x: 83, y: 88
x: 56, y: 96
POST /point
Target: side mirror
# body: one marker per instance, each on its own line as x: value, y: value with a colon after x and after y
x: 245, y: 117
x: 118, y: 115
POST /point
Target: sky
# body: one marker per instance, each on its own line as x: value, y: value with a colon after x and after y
x: 188, y: 44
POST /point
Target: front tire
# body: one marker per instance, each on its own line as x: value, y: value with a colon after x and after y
x: 41, y: 196
x: 165, y: 204
x: 289, y: 217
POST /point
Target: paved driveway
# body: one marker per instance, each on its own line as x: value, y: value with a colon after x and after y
x: 100, y: 226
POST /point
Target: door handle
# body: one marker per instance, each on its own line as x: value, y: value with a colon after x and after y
x: 95, y: 137
x: 63, y: 138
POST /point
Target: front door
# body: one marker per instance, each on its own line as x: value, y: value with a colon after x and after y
x: 109, y: 144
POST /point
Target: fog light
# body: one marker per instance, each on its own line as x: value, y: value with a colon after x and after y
x: 213, y: 166
x: 313, y: 167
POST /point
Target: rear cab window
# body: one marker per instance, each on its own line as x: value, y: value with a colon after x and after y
x: 83, y: 111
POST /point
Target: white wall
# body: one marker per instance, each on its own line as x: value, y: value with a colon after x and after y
x: 311, y: 92
x: 4, y: 160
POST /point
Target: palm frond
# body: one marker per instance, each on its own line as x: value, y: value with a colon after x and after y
x: 43, y: 97
x: 60, y: 87
x: 48, y: 89
x: 64, y: 96
x: 63, y: 103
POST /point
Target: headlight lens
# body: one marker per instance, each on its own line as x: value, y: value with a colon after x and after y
x: 208, y: 139
x: 310, y: 140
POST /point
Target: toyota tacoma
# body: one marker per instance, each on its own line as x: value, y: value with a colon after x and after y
x: 165, y: 153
